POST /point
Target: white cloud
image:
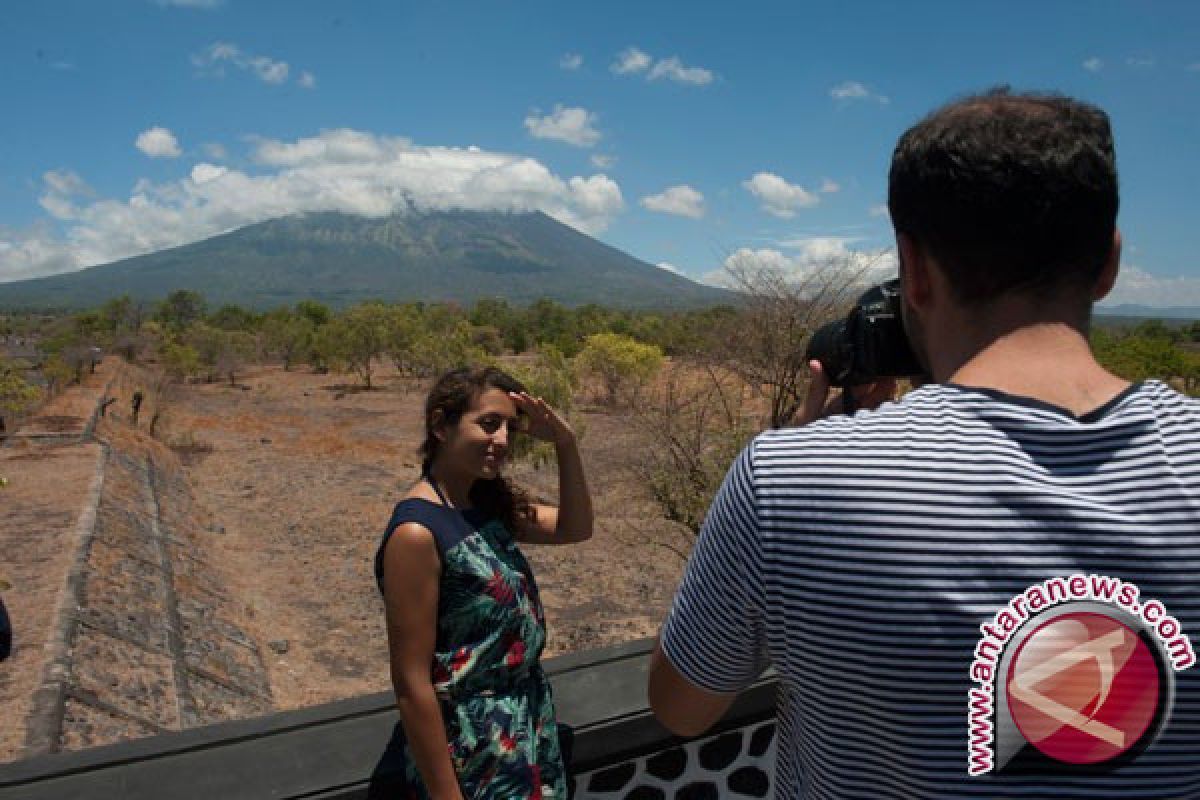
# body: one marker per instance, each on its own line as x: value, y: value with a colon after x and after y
x: 203, y: 173
x: 813, y: 261
x: 853, y: 90
x: 1093, y: 64
x: 778, y: 197
x: 880, y: 210
x: 829, y: 186
x: 342, y: 170
x: 269, y: 70
x: 571, y: 61
x: 33, y: 252
x: 158, y: 143
x: 65, y: 182
x: 683, y: 201
x: 213, y: 60
x: 600, y: 161
x: 63, y: 188
x: 215, y: 151
x: 669, y: 267
x: 1136, y: 286
x: 673, y: 69
x: 631, y: 61
x: 571, y: 125
x: 1193, y: 67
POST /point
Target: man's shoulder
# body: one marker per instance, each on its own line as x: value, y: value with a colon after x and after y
x: 1169, y: 399
x: 963, y: 417
x: 923, y: 408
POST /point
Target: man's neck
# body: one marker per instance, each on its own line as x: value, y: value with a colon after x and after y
x: 1046, y: 360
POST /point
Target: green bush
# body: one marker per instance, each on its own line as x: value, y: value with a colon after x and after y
x: 622, y: 365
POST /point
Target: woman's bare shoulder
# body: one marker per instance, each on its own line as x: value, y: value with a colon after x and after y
x: 412, y: 535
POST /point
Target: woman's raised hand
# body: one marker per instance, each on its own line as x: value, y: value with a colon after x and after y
x: 543, y: 422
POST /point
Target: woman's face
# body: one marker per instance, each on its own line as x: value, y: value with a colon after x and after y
x: 479, y: 442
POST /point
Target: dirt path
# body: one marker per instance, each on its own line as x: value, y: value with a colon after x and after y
x: 50, y: 476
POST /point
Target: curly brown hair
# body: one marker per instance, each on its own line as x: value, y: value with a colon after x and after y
x: 453, y: 395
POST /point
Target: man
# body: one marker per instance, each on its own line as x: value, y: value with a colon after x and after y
x: 985, y: 588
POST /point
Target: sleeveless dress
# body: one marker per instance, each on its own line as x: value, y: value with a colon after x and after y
x: 494, y: 697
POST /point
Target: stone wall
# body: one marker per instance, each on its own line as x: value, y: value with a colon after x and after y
x: 328, y: 752
x: 148, y: 638
x: 736, y: 763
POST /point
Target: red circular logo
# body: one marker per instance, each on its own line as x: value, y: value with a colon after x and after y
x: 1083, y: 688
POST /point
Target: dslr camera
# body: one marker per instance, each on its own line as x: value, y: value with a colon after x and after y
x: 869, y: 343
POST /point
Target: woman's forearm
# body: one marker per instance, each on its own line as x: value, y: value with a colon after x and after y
x: 574, y: 499
x: 425, y: 730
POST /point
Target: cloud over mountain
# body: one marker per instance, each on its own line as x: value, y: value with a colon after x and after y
x: 340, y: 170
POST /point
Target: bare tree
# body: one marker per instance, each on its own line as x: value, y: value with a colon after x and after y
x: 766, y: 343
x: 750, y: 374
x: 164, y: 390
x: 694, y: 424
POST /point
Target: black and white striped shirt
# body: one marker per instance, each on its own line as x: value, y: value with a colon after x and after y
x: 859, y: 556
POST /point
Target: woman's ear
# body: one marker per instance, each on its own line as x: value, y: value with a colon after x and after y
x: 437, y: 424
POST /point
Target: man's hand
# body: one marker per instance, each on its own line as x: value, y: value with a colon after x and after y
x: 818, y: 403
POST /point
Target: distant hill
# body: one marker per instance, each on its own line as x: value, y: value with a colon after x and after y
x: 342, y: 259
x: 1134, y: 314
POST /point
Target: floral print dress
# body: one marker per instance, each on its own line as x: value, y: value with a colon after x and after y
x: 494, y: 697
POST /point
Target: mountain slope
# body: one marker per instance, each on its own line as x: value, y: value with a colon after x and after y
x: 342, y: 259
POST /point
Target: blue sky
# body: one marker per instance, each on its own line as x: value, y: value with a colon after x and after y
x: 686, y: 134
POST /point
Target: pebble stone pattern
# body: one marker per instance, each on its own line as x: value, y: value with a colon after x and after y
x: 736, y: 763
x: 153, y: 644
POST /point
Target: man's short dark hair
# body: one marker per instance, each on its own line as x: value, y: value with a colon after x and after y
x: 1009, y: 192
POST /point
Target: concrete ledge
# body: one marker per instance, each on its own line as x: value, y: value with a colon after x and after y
x: 328, y: 751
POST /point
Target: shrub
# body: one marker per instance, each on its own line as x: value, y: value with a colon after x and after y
x: 622, y: 365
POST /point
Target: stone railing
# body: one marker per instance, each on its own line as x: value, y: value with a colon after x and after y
x: 617, y: 749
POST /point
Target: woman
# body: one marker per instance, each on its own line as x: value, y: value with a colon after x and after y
x: 465, y: 625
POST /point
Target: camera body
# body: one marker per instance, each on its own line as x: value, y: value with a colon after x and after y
x: 869, y: 344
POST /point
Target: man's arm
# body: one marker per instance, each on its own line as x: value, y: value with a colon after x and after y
x: 712, y: 645
x: 680, y: 705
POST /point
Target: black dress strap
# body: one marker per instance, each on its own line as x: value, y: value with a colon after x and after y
x: 447, y: 525
x: 429, y: 479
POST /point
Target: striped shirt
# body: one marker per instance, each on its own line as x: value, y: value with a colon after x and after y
x: 859, y: 556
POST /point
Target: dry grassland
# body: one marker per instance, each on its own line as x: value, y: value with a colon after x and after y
x: 300, y: 472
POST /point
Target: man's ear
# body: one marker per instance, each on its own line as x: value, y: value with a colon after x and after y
x: 914, y: 271
x: 1108, y: 275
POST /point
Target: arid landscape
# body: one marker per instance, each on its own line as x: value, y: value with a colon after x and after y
x: 270, y: 497
x: 301, y: 478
